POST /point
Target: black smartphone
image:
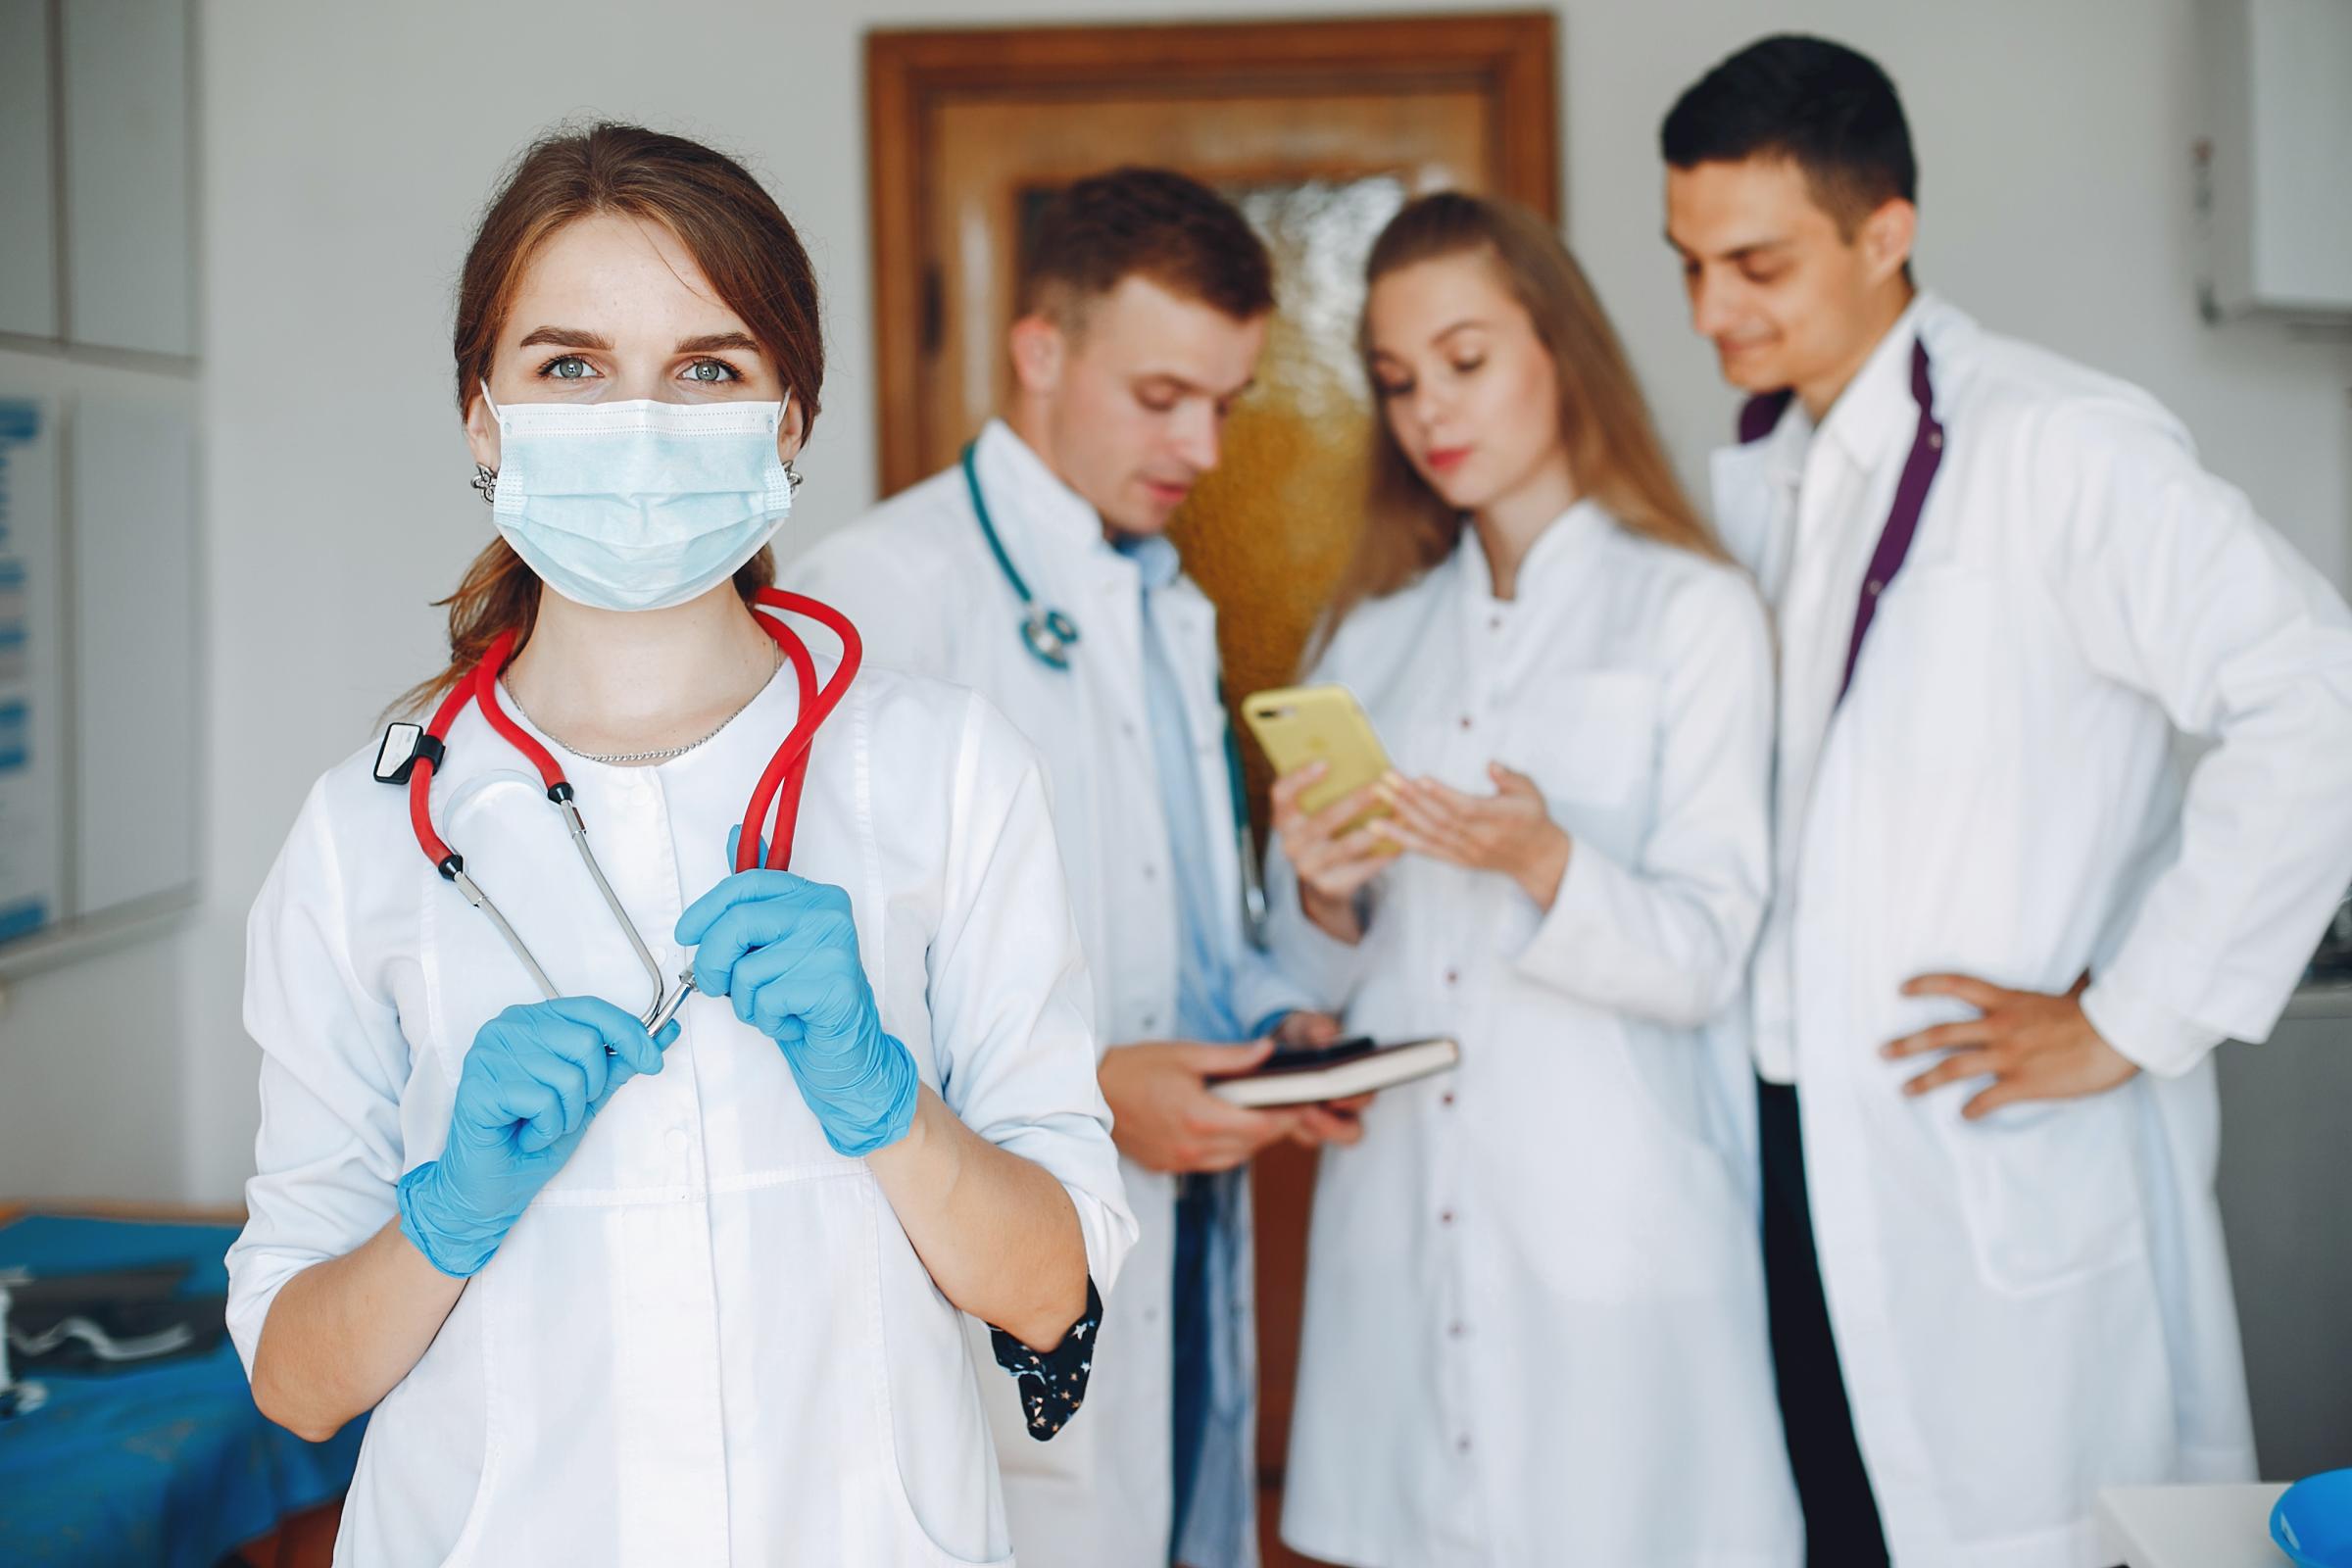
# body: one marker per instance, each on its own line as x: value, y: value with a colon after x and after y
x: 1310, y: 1058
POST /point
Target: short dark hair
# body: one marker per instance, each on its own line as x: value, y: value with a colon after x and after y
x: 1097, y: 233
x: 1827, y: 108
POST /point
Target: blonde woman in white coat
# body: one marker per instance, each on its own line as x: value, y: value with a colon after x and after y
x: 1534, y: 1321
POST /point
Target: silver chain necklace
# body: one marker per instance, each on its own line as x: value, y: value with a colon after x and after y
x: 617, y: 758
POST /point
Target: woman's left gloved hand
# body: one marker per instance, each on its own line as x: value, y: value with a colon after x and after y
x: 784, y: 950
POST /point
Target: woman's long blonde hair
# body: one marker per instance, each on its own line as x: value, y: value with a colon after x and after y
x: 1613, y: 447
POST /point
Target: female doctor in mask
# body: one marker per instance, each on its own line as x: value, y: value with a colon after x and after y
x: 694, y: 1296
x: 1534, y: 1315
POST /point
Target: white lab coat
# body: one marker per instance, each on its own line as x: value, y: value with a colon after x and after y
x: 708, y: 1340
x: 2036, y: 1307
x: 919, y: 571
x: 1534, y: 1309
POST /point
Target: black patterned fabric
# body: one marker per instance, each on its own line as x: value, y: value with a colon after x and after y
x: 1053, y: 1383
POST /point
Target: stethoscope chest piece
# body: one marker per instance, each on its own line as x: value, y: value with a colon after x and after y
x: 1049, y: 635
x: 1046, y: 632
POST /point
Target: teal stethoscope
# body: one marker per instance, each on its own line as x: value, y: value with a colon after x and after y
x: 1049, y: 634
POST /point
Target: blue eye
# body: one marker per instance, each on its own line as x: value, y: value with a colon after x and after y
x: 713, y: 373
x: 566, y: 367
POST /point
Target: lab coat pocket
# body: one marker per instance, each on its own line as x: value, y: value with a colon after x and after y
x: 1590, y: 745
x: 2050, y: 1191
x: 428, y: 1466
x: 1630, y: 1197
x: 1922, y: 666
x: 927, y: 1421
x: 1672, y: 1080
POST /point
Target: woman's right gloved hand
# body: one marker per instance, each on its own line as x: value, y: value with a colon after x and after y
x: 537, y: 1074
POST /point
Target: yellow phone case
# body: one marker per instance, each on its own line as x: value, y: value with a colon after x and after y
x: 1303, y: 724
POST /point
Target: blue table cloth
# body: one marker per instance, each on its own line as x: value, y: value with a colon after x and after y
x: 166, y: 1464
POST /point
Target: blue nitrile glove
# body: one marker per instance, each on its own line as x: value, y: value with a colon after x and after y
x: 535, y: 1077
x: 784, y: 950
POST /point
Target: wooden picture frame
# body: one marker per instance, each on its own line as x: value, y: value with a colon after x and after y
x: 1510, y: 57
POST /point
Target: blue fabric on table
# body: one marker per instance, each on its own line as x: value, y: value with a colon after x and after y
x: 169, y: 1463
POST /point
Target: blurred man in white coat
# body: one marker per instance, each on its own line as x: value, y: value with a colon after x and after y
x: 2011, y: 923
x: 1037, y: 571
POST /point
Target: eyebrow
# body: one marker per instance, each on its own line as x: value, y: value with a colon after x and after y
x: 565, y: 337
x: 1743, y: 253
x: 1463, y: 326
x: 1194, y: 388
x: 572, y: 337
x: 712, y: 342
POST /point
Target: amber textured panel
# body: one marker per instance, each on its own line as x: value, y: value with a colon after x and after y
x: 1267, y: 532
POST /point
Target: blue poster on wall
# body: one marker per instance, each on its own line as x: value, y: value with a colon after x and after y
x: 31, y: 687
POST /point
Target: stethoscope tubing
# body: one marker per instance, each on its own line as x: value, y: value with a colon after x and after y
x: 778, y: 789
x: 1049, y: 633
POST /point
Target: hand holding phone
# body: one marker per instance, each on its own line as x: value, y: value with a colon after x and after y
x: 1301, y: 726
x: 1327, y: 802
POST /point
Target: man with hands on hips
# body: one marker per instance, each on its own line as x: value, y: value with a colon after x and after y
x: 1037, y: 571
x: 2009, y: 926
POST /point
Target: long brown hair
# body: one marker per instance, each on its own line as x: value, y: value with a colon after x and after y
x: 736, y: 235
x: 1613, y: 447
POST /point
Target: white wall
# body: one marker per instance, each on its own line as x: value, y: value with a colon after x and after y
x: 347, y: 149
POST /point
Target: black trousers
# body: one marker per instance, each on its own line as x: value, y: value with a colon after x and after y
x: 1841, y: 1517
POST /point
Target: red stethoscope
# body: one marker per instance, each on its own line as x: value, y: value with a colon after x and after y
x: 410, y: 754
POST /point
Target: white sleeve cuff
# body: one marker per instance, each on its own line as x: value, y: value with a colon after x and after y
x: 2150, y: 1035
x: 1322, y: 970
x: 1262, y: 992
x: 1575, y: 932
x: 1609, y: 940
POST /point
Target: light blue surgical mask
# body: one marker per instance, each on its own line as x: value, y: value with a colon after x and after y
x: 639, y: 504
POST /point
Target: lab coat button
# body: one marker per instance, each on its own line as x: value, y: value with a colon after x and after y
x: 1454, y: 977
x: 1150, y: 1020
x: 1445, y: 1099
x: 1465, y: 721
x: 1455, y: 1331
x: 1461, y: 1445
x: 676, y: 1139
x: 1445, y: 1216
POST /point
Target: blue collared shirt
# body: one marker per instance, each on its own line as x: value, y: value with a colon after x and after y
x: 1204, y: 979
x: 1215, y: 1516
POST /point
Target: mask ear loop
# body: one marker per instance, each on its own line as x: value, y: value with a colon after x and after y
x: 486, y: 477
x: 792, y: 475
